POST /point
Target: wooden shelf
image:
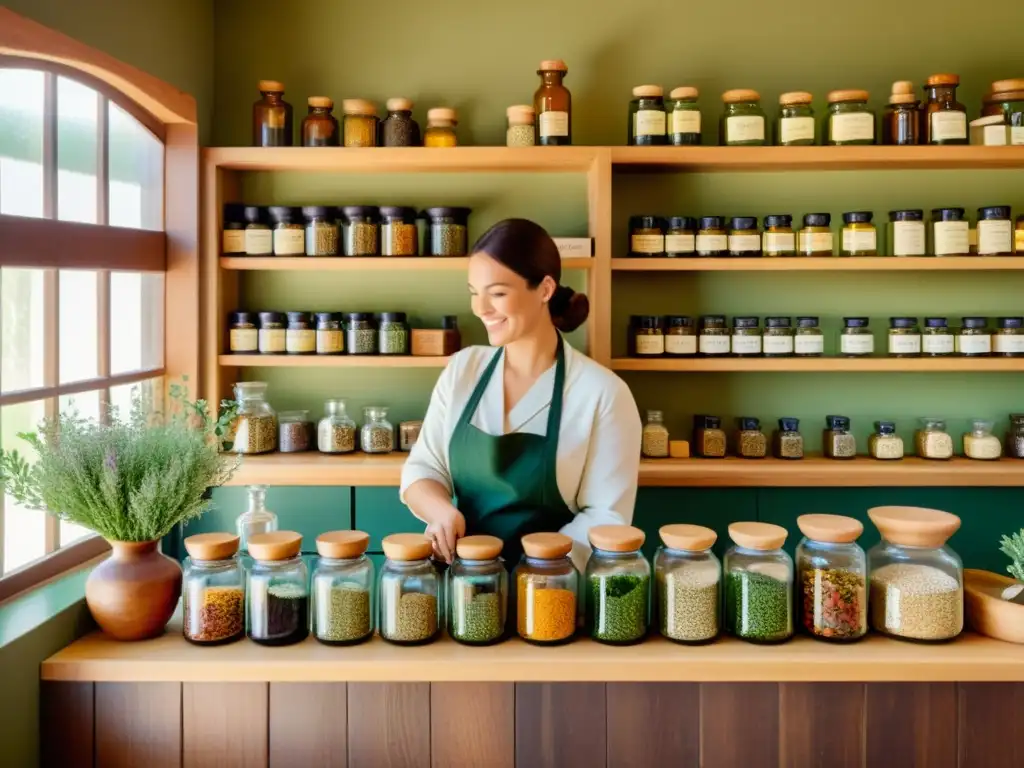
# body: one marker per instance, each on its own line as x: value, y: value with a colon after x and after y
x: 356, y: 264
x: 813, y: 264
x: 331, y: 361
x: 320, y: 469
x: 822, y: 364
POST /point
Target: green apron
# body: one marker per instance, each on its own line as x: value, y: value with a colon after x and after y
x: 506, y: 485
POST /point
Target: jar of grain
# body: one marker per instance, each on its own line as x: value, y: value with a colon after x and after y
x: 932, y: 441
x: 440, y: 132
x: 708, y: 437
x: 398, y: 233
x: 787, y: 442
x: 213, y: 590
x: 277, y: 589
x: 758, y: 584
x: 832, y: 570
x: 362, y: 230
x: 448, y: 231
x: 477, y: 591
x: 546, y: 589
x: 410, y: 591
x: 255, y: 427
x: 393, y: 334
x: 295, y: 432
x: 837, y: 440
x: 688, y: 580
x: 289, y: 230
x: 916, y: 580
x: 521, y: 126
x: 330, y: 333
x: 398, y: 129
x: 342, y: 586
x: 272, y: 333
x: 884, y: 443
x: 654, y: 444
x: 243, y: 336
x: 300, y: 338
x: 618, y: 584
x: 683, y: 116
x: 377, y: 434
x: 980, y: 443
x: 359, y: 126
x: 336, y: 432
x: 321, y: 230
x: 646, y: 236
x: 750, y: 440
x: 1015, y: 437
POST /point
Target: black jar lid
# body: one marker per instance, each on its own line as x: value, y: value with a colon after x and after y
x: 678, y: 321
x: 403, y: 212
x: 271, y: 317
x: 319, y: 211
x: 858, y: 217
x: 974, y: 322
x: 688, y: 223
x: 1020, y: 219
x: 446, y: 212
x: 450, y: 322
x: 994, y: 212
x: 712, y: 222
x: 935, y: 322
x: 328, y: 317
x: 778, y: 220
x: 837, y: 422
x: 358, y: 317
x: 778, y: 322
x: 948, y: 214
x: 369, y: 212
x: 745, y: 322
x: 743, y: 222
x: 817, y: 219
x: 255, y: 214
x: 299, y: 317
x: 646, y: 321
x: 392, y: 317
x: 706, y: 320
x: 646, y: 222
x: 908, y: 215
x: 701, y: 421
x: 748, y: 422
x: 1011, y: 322
x: 855, y: 322
x: 284, y: 214
x: 807, y: 322
x: 902, y: 322
x: 243, y: 318
x: 885, y: 427
x: 789, y: 424
x: 234, y: 213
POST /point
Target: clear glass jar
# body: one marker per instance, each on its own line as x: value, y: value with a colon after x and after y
x: 393, y: 332
x: 271, y: 336
x: 980, y: 443
x: 916, y: 580
x: 522, y: 126
x: 758, y: 584
x: 1015, y: 437
x: 300, y: 338
x: 860, y: 237
x: 295, y: 432
x: 289, y: 230
x: 243, y: 336
x: 477, y: 591
x: 750, y: 440
x: 213, y: 590
x: 849, y: 121
x: 712, y: 239
x: 361, y: 336
x: 336, y: 432
x: 259, y: 239
x: 714, y: 338
x: 884, y: 443
x: 321, y: 230
x: 746, y: 337
x: 743, y: 123
x: 448, y: 231
x: 646, y: 336
x: 271, y: 117
x: 683, y: 117
x: 342, y: 586
x: 398, y: 129
x: 256, y: 519
x: 950, y: 232
x: 408, y: 434
x: 837, y: 441
x: 654, y: 442
x: 255, y: 427
x: 646, y: 236
x: 330, y: 333
x: 362, y: 230
x: 795, y: 123
x: 856, y: 339
x: 618, y: 582
x: 833, y: 572
x: 1008, y: 340
x: 277, y: 589
x: 995, y: 231
x: 778, y: 238
x: 787, y: 442
x: 647, y: 117
x: 681, y: 237
x: 932, y: 440
x: 974, y: 339
x: 815, y: 239
x: 680, y: 336
x: 320, y: 127
x: 809, y: 341
x: 904, y: 337
x: 744, y: 237
x: 778, y: 338
x: 546, y: 590
x: 399, y: 235
x: 688, y: 580
x: 708, y: 437
x: 936, y: 338
x: 906, y: 233
x: 552, y: 103
x: 377, y: 434
x: 440, y: 132
x: 946, y: 118
x: 410, y: 591
x: 359, y: 123
x: 232, y: 240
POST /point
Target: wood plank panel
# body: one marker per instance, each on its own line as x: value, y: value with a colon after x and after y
x: 821, y: 725
x: 653, y: 724
x: 38, y: 243
x: 991, y: 734
x: 912, y: 725
x: 224, y: 725
x: 66, y: 724
x: 560, y: 724
x: 138, y: 724
x: 308, y: 725
x: 389, y: 725
x: 472, y: 724
x: 739, y: 725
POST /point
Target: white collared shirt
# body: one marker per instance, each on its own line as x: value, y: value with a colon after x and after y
x: 598, y: 445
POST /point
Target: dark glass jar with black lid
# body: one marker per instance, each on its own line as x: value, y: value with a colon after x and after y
x: 646, y: 336
x: 778, y: 337
x: 746, y: 337
x: 681, y: 237
x: 646, y: 236
x: 300, y: 338
x: 995, y: 231
x: 744, y: 237
x: 271, y: 117
x: 243, y: 335
x: 680, y: 336
x: 712, y: 239
x: 682, y: 117
x: 233, y: 233
x: 713, y: 340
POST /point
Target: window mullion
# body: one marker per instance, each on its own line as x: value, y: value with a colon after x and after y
x: 103, y: 276
x: 51, y: 375
x: 102, y: 161
x: 49, y: 145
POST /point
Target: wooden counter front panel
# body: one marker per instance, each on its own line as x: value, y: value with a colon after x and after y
x: 532, y: 725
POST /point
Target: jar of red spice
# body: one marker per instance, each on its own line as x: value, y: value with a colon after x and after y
x: 832, y: 574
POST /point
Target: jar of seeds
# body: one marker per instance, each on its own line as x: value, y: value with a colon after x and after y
x: 884, y: 443
x: 361, y: 333
x: 936, y: 338
x: 259, y: 239
x: 278, y: 589
x: 688, y: 578
x: 330, y: 333
x: 410, y: 591
x: 809, y: 340
x: 359, y: 125
x: 232, y: 241
x: 440, y: 132
x: 787, y: 442
x: 243, y: 336
x: 932, y: 440
x: 300, y: 338
x: 832, y: 571
x: 1015, y: 437
x: 321, y: 230
x: 362, y: 230
x: 744, y: 238
x: 758, y: 584
x: 778, y: 238
x: 837, y: 440
x: 708, y: 437
x: 295, y: 432
x: 904, y: 337
x: 815, y: 239
x: 477, y: 591
x: 398, y: 129
x: 408, y: 434
x: 342, y: 585
x: 213, y: 590
x: 448, y: 231
x: 272, y: 334
x: 393, y: 333
x: 974, y: 338
x: 680, y: 336
x: 778, y: 337
x: 746, y: 337
x: 980, y: 443
x: 377, y: 434
x: 714, y: 338
x: 618, y: 585
x: 646, y: 336
x: 255, y: 426
x: 398, y: 233
x: 646, y: 236
x: 546, y: 587
x: 712, y: 240
x: 521, y: 126
x: 289, y: 230
x: 654, y: 444
x: 750, y: 440
x: 916, y: 581
x: 1008, y: 340
x: 681, y: 237
x: 856, y: 339
x: 336, y: 432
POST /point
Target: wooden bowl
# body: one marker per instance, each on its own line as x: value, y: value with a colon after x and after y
x: 986, y: 612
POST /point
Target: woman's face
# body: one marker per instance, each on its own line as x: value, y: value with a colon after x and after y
x: 507, y: 306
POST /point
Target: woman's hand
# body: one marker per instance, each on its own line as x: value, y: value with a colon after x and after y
x: 445, y: 528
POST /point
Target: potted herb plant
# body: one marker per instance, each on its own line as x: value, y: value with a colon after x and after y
x: 131, y: 480
x: 1013, y: 548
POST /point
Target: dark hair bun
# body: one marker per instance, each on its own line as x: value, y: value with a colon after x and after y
x: 569, y: 310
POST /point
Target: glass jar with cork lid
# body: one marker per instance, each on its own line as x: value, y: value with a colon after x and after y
x: 359, y: 125
x: 552, y: 104
x: 213, y: 590
x: 277, y: 589
x: 945, y: 117
x: 758, y: 584
x: 398, y: 129
x: 849, y: 121
x: 683, y: 117
x: 618, y: 585
x: 688, y: 581
x: 832, y: 571
x: 743, y: 122
x: 320, y: 127
x: 477, y: 591
x: 342, y: 588
x: 795, y: 123
x: 271, y: 117
x: 409, y: 591
x: 654, y: 442
x: 647, y: 116
x: 902, y: 123
x: 547, y: 584
x: 440, y: 131
x: 255, y: 427
x: 522, y: 128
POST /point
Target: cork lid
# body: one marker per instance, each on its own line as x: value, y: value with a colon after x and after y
x: 739, y: 95
x: 274, y: 86
x: 834, y: 529
x: 342, y: 545
x: 914, y: 526
x: 553, y: 65
x: 407, y: 546
x: 762, y: 536
x: 902, y: 98
x: 546, y: 546
x: 359, y: 107
x: 616, y: 538
x: 320, y: 102
x: 399, y: 104
x: 1014, y: 84
x: 849, y: 95
x: 279, y: 545
x: 211, y: 546
x: 692, y: 538
x: 903, y: 87
x: 442, y: 114
x: 684, y: 92
x: 795, y: 97
x: 943, y: 79
x: 648, y: 91
x: 520, y: 112
x: 1007, y: 96
x: 479, y: 547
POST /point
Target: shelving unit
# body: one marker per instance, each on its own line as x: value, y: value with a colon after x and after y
x: 814, y: 264
x: 361, y: 264
x: 331, y: 361
x: 822, y: 364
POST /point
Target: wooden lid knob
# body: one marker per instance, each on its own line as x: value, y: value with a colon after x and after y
x: 479, y: 547
x: 553, y: 65
x: 944, y: 79
x: 763, y: 536
x: 834, y: 97
x: 342, y: 545
x: 442, y: 114
x: 616, y: 538
x: 399, y: 104
x: 795, y: 97
x: 914, y: 526
x: 320, y: 102
x: 407, y: 546
x: 359, y: 107
x: 691, y: 538
x: 1003, y: 86
x: 546, y: 546
x: 271, y: 86
x: 648, y: 92
x: 834, y: 529
x: 684, y: 92
x: 903, y: 86
x: 211, y: 546
x: 738, y: 95
x: 279, y: 545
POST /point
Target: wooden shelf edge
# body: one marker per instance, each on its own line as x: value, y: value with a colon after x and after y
x: 331, y: 361
x: 822, y: 365
x: 828, y: 264
x: 352, y: 263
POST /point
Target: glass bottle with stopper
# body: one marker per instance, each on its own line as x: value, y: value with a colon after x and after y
x: 256, y: 519
x: 902, y: 123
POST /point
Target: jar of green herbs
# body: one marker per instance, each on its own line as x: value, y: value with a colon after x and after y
x: 618, y: 580
x: 393, y: 333
x: 758, y: 584
x: 795, y: 123
x: 936, y: 338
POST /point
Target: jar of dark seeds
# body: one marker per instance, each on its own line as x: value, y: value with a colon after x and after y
x: 272, y: 333
x: 410, y: 591
x: 398, y: 233
x: 448, y: 231
x: 809, y: 340
x: 688, y: 579
x: 398, y: 129
x: 778, y: 337
x: 361, y: 333
x: 300, y: 338
x: 377, y: 434
x: 787, y: 442
x: 477, y: 591
x: 243, y: 336
x: 750, y: 440
x: 255, y: 427
x: 277, y: 588
x: 1015, y: 437
x: 213, y: 590
x: 708, y: 437
x: 342, y: 586
x: 330, y: 333
x: 321, y: 230
x: 837, y: 440
x: 1008, y: 340
x: 336, y: 432
x: 362, y: 230
x: 408, y: 434
x: 295, y: 432
x: 289, y: 230
x: 393, y: 333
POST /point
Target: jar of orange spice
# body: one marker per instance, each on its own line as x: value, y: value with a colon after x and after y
x: 546, y: 586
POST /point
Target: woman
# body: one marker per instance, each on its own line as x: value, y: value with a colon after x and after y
x: 532, y: 436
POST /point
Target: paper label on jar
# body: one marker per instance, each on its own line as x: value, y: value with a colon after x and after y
x: 271, y: 340
x: 1017, y: 135
x: 329, y: 342
x: 994, y: 136
x: 796, y: 129
x: 858, y: 126
x: 816, y: 242
x: 994, y: 236
x: 949, y: 126
x: 746, y: 345
x: 553, y: 124
x: 647, y: 243
x: 744, y: 128
x: 974, y: 345
x: 301, y: 340
x: 951, y: 237
x: 904, y: 343
x: 810, y: 344
x: 259, y: 242
x: 680, y: 243
x: 778, y: 345
x: 712, y: 243
x: 744, y: 243
x: 713, y: 345
x: 289, y: 242
x: 243, y: 340
x: 779, y: 242
x: 233, y: 241
x: 650, y: 345
x: 649, y: 122
x: 1005, y: 343
x: 859, y: 239
x: 908, y: 238
x: 686, y: 121
x: 937, y: 344
x: 857, y: 344
x: 678, y: 344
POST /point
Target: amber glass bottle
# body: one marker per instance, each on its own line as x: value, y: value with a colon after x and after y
x: 271, y: 117
x: 320, y: 128
x: 946, y: 118
x: 553, y: 105
x: 902, y: 122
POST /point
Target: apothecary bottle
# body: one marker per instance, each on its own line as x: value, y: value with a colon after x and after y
x: 712, y: 239
x: 1015, y: 436
x: 440, y: 130
x: 708, y: 437
x: 522, y: 126
x: 256, y: 518
x: 787, y: 442
x: 980, y: 443
x: 859, y: 237
x: 295, y: 432
x: 654, y: 440
x: 815, y: 239
x: 750, y: 440
x: 681, y: 237
x: 1008, y: 340
x: 448, y: 231
x: 837, y: 441
x: 778, y: 238
x: 255, y: 426
x: 278, y: 589
x: 213, y: 590
x: 320, y: 127
x: 646, y: 336
x: 688, y: 581
x: 746, y: 337
x: 795, y: 123
x: 743, y: 121
x: 259, y: 238
x: 618, y: 585
x: 377, y: 434
x: 744, y: 238
x: 359, y: 125
x: 546, y: 590
x: 906, y: 233
x: 300, y: 338
x: 995, y: 231
x: 336, y: 432
x: 916, y: 590
x: 946, y: 118
x: 714, y: 339
x: 243, y: 335
x: 647, y: 116
x: 646, y: 236
x: 849, y: 120
x: 758, y: 584
x: 330, y: 333
x: 409, y: 591
x: 936, y: 338
x: 271, y: 117
x: 950, y: 232
x: 974, y: 338
x: 680, y: 336
x: 232, y: 241
x: 477, y: 591
x: 904, y: 337
x: 321, y: 230
x: 552, y: 104
x: 884, y: 444
x: 809, y: 341
x: 398, y: 129
x: 832, y: 571
x: 361, y: 337
x: 342, y: 587
x: 778, y: 337
x: 289, y: 230
x: 932, y: 441
x: 901, y: 125
x: 683, y: 116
